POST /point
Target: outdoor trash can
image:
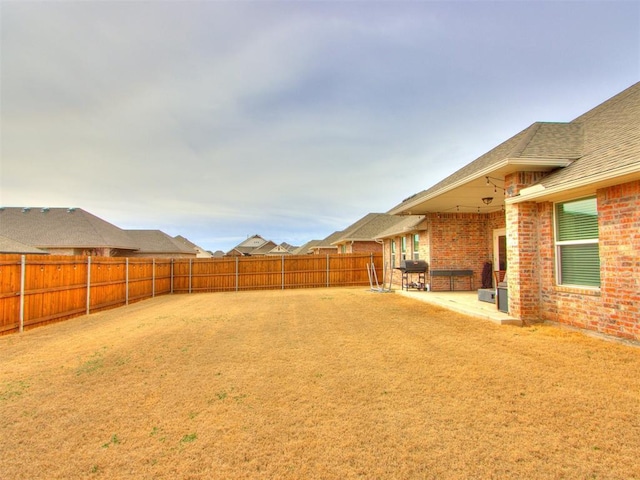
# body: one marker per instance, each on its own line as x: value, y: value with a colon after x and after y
x: 503, y: 297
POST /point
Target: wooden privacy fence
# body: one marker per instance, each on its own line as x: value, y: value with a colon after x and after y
x: 37, y: 289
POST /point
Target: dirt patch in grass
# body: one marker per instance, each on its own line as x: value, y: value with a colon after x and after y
x: 323, y: 383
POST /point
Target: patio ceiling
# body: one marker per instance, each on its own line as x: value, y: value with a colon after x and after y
x: 466, y: 195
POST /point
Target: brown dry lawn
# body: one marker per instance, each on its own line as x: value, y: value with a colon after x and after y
x: 323, y: 383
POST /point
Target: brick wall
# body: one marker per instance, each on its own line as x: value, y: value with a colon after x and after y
x: 619, y: 225
x: 423, y: 252
x: 613, y: 309
x: 364, y: 247
x: 462, y: 241
x: 523, y: 261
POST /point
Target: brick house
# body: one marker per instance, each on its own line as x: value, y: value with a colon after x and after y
x: 362, y: 236
x: 74, y: 231
x: 65, y: 231
x: 402, y: 241
x: 248, y: 246
x: 324, y: 246
x: 558, y: 207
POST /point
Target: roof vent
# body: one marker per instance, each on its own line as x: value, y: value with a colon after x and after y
x: 71, y: 210
x: 45, y: 210
x: 26, y: 210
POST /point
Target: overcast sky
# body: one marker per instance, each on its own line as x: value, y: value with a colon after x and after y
x: 216, y: 120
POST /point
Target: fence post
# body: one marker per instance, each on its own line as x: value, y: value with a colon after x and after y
x: 190, y: 270
x: 153, y: 277
x: 327, y: 269
x: 88, y: 285
x: 23, y: 273
x: 236, y: 274
x: 171, y: 290
x: 126, y: 281
x: 282, y: 270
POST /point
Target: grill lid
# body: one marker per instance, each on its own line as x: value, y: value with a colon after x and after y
x: 413, y: 266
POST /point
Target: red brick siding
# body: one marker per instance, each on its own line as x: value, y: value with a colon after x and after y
x: 619, y: 231
x: 462, y: 241
x: 522, y: 259
x: 364, y: 247
x: 423, y: 252
x: 516, y: 181
x: 614, y: 309
x: 452, y: 241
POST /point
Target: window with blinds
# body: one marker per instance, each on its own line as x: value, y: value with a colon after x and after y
x: 578, y: 258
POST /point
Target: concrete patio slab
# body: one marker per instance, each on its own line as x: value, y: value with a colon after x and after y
x: 463, y: 302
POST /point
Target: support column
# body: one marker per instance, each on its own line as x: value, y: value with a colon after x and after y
x: 523, y: 265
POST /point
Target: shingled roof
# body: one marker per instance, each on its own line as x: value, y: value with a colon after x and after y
x: 404, y: 225
x: 156, y: 242
x: 604, y: 141
x: 61, y: 228
x: 541, y: 146
x: 611, y: 141
x: 7, y: 245
x: 367, y: 228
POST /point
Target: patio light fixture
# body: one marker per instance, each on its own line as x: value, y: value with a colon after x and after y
x: 487, y: 200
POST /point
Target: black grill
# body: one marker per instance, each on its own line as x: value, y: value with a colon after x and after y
x: 413, y: 274
x: 413, y: 266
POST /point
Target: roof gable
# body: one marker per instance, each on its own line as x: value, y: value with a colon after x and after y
x: 263, y: 249
x: 252, y: 242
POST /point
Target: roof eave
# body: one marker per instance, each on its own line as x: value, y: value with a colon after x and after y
x: 505, y: 165
x: 583, y: 185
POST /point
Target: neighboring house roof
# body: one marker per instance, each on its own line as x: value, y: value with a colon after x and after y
x: 61, y: 228
x: 249, y: 245
x: 257, y: 245
x: 405, y: 224
x: 200, y: 252
x: 158, y: 242
x: 282, y: 249
x: 327, y: 242
x: 218, y: 254
x: 306, y: 248
x: 602, y: 142
x: 367, y: 228
x: 263, y: 249
x: 253, y: 242
x: 7, y: 245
